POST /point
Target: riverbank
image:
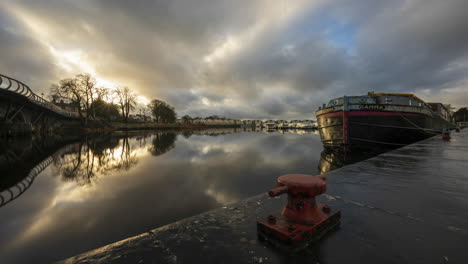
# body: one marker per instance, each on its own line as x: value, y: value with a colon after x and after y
x: 153, y: 126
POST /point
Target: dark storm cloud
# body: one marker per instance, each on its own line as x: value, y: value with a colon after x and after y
x: 21, y: 54
x: 273, y: 107
x: 180, y: 21
x: 413, y: 46
x: 246, y: 58
x: 305, y: 66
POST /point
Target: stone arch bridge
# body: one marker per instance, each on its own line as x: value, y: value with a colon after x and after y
x: 22, y: 112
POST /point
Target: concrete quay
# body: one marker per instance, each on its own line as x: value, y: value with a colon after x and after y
x: 409, y: 205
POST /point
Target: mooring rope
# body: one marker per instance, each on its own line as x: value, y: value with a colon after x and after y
x: 416, y: 128
x: 425, y: 129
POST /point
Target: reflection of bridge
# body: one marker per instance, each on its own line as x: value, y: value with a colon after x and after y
x: 22, y: 111
x: 22, y: 159
x: 19, y: 188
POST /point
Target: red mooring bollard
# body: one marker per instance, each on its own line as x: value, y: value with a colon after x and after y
x: 303, y: 220
x: 446, y: 135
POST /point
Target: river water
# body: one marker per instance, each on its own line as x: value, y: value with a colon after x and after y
x: 83, y: 194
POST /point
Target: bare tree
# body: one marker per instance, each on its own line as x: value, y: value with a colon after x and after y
x: 126, y: 101
x: 84, y: 93
x: 70, y: 91
x: 102, y: 93
x: 80, y: 91
x: 88, y: 85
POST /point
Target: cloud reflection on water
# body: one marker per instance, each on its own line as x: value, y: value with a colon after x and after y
x: 102, y: 190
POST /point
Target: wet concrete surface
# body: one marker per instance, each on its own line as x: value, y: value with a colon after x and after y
x: 409, y: 205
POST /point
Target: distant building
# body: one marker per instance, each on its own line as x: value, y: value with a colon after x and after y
x: 215, y: 121
x: 249, y: 122
x: 221, y: 122
x: 442, y: 110
x: 70, y: 107
x: 140, y: 118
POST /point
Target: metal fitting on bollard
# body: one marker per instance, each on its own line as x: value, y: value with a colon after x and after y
x: 302, y: 220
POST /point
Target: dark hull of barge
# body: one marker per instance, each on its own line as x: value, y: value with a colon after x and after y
x: 371, y: 128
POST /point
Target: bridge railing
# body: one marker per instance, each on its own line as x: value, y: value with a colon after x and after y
x: 19, y: 188
x: 13, y: 85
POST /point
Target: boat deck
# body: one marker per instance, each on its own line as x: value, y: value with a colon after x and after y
x: 409, y: 205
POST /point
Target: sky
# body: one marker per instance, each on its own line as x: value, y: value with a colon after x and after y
x: 242, y: 59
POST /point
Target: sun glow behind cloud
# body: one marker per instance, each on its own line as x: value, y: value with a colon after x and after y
x: 142, y: 100
x: 76, y: 61
x: 70, y: 61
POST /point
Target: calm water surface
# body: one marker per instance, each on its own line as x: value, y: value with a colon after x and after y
x: 95, y: 191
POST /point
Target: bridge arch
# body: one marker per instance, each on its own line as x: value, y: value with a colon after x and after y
x: 23, y: 112
x: 16, y: 117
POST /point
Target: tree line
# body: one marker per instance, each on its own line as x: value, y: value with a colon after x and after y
x: 461, y: 115
x: 186, y: 119
x: 96, y: 102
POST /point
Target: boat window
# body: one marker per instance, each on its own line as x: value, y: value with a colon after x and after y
x: 388, y: 100
x: 335, y: 102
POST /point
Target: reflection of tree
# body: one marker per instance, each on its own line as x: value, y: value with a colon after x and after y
x: 187, y: 133
x: 90, y: 158
x: 162, y: 143
x: 142, y: 139
x: 127, y: 158
x: 80, y: 167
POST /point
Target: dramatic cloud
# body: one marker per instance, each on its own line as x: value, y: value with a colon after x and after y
x: 242, y: 59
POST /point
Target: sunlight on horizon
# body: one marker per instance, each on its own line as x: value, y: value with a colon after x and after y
x: 72, y: 61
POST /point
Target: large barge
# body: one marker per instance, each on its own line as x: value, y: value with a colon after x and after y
x: 382, y: 119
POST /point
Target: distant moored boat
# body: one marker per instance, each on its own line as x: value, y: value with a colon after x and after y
x: 381, y: 118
